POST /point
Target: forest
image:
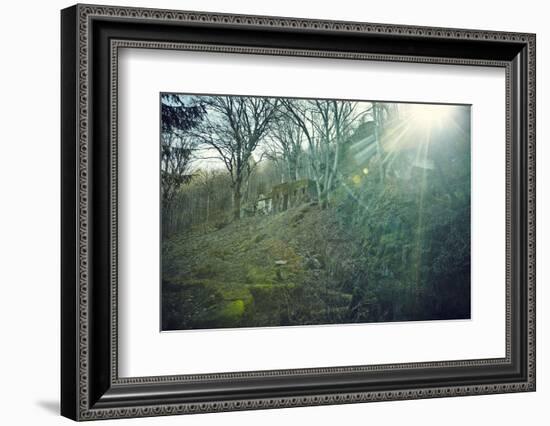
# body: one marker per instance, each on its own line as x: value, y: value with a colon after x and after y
x: 289, y: 211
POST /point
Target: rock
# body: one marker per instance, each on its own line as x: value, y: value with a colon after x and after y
x: 316, y: 263
x: 313, y: 263
x: 280, y: 262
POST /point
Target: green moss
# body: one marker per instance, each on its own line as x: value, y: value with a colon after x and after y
x: 258, y: 275
x: 233, y: 310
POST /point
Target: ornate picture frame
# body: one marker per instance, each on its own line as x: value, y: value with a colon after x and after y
x: 91, y: 37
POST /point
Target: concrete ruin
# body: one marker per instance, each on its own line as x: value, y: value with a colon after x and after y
x: 287, y: 195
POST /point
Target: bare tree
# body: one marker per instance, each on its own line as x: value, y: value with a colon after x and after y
x: 233, y: 128
x: 207, y: 180
x: 382, y: 113
x: 325, y: 125
x: 287, y: 139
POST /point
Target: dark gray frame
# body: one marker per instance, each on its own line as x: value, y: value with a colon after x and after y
x: 91, y: 38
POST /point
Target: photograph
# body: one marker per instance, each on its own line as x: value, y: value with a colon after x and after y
x: 280, y: 211
x: 282, y: 207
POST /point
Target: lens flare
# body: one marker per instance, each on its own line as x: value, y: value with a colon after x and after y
x: 426, y: 116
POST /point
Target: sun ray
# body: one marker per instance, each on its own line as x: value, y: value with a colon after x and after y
x: 421, y: 154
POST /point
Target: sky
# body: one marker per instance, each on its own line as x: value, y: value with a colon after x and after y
x: 205, y: 158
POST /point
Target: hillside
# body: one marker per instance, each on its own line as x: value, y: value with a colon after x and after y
x: 261, y: 270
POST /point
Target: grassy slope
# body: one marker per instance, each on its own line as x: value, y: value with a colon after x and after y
x: 262, y: 270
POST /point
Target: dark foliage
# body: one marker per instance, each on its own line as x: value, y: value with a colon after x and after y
x: 176, y: 115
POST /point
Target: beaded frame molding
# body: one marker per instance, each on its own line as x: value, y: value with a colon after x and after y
x: 91, y: 39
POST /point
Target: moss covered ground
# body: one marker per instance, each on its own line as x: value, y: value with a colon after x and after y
x: 258, y: 271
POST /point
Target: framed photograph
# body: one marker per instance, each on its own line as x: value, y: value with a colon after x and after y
x: 263, y: 212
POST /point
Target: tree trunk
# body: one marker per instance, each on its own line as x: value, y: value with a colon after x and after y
x: 237, y: 201
x: 292, y: 169
x: 334, y: 169
x: 377, y: 124
x: 319, y: 193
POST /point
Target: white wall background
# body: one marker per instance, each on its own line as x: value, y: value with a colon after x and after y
x: 29, y: 213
